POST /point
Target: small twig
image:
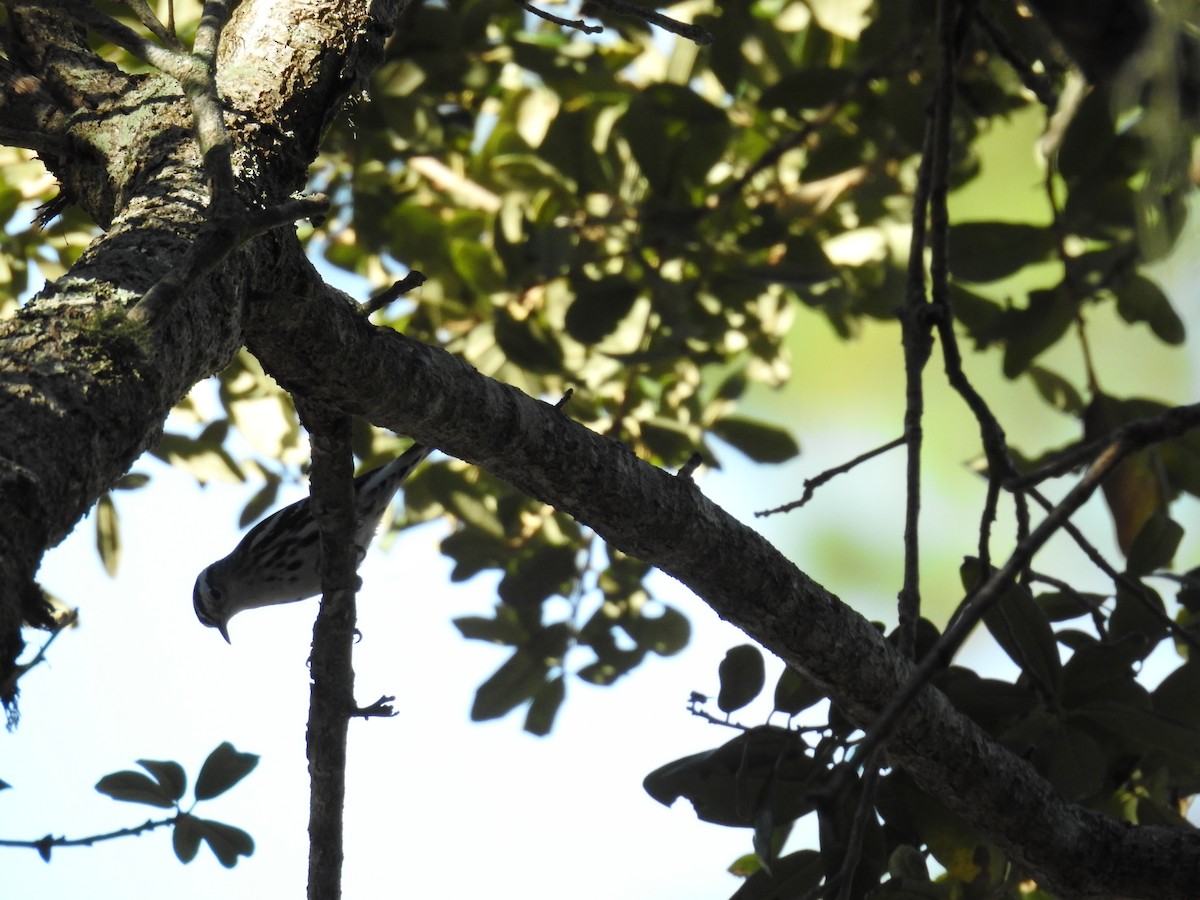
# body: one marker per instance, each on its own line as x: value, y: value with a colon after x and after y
x: 689, y: 468
x: 811, y: 484
x: 1135, y: 589
x: 9, y: 688
x: 146, y: 16
x: 380, y: 709
x: 412, y: 280
x: 693, y: 33
x: 990, y: 592
x: 578, y: 24
x: 44, y: 845
x: 567, y: 395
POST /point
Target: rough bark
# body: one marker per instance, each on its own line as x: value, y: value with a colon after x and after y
x: 84, y: 392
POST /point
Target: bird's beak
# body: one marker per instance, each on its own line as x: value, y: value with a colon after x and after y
x: 224, y: 629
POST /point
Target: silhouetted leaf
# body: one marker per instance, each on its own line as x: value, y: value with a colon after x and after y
x: 224, y: 768
x: 134, y: 787
x: 758, y: 440
x: 742, y: 676
x: 989, y: 251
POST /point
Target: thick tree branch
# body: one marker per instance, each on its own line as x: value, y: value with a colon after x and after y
x: 421, y: 391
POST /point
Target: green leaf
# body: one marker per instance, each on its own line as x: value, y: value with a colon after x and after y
x: 132, y: 481
x: 1155, y: 545
x: 794, y: 875
x: 546, y: 703
x: 540, y: 574
x: 989, y: 251
x: 742, y: 676
x: 226, y: 842
x: 1141, y: 300
x: 1021, y: 628
x: 1038, y: 327
x: 134, y: 787
x: 724, y: 785
x: 675, y: 135
x: 598, y: 307
x: 1056, y: 391
x: 759, y: 441
x: 664, y: 634
x: 1134, y: 615
x: 108, y: 534
x: 499, y: 630
x: 224, y: 768
x: 262, y: 500
x: 169, y: 774
x: 527, y: 343
x: 794, y: 693
x: 1176, y: 696
x: 516, y: 681
x: 185, y: 838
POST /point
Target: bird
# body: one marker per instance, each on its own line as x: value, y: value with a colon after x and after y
x: 278, y: 560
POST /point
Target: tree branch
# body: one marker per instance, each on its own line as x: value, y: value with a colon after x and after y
x: 415, y: 389
x: 331, y: 700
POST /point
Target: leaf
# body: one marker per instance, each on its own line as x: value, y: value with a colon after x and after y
x: 1056, y: 390
x: 185, y: 838
x: 498, y: 630
x: 546, y: 703
x: 675, y: 135
x: 598, y: 308
x: 794, y: 875
x: 725, y: 785
x: 989, y: 251
x: 108, y: 534
x: 794, y: 693
x: 263, y: 499
x: 759, y: 441
x: 1134, y: 490
x: 226, y: 842
x: 224, y: 768
x: 538, y: 575
x: 1176, y: 696
x: 516, y: 681
x: 169, y: 774
x: 1141, y: 300
x: 742, y: 676
x: 134, y: 787
x: 1021, y: 628
x: 665, y: 634
x: 1031, y: 331
x: 1155, y: 545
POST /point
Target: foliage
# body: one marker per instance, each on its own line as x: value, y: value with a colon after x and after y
x: 642, y: 220
x: 163, y: 788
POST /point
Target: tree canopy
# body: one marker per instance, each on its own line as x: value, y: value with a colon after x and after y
x: 593, y: 236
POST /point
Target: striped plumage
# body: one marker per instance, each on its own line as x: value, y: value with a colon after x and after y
x: 278, y: 560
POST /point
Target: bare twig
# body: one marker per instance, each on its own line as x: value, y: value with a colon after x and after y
x: 1135, y: 589
x: 412, y: 280
x: 811, y: 484
x: 578, y: 24
x: 1130, y: 440
x: 693, y: 33
x: 45, y: 844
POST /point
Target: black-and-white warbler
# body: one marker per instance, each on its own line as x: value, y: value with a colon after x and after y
x: 278, y: 561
